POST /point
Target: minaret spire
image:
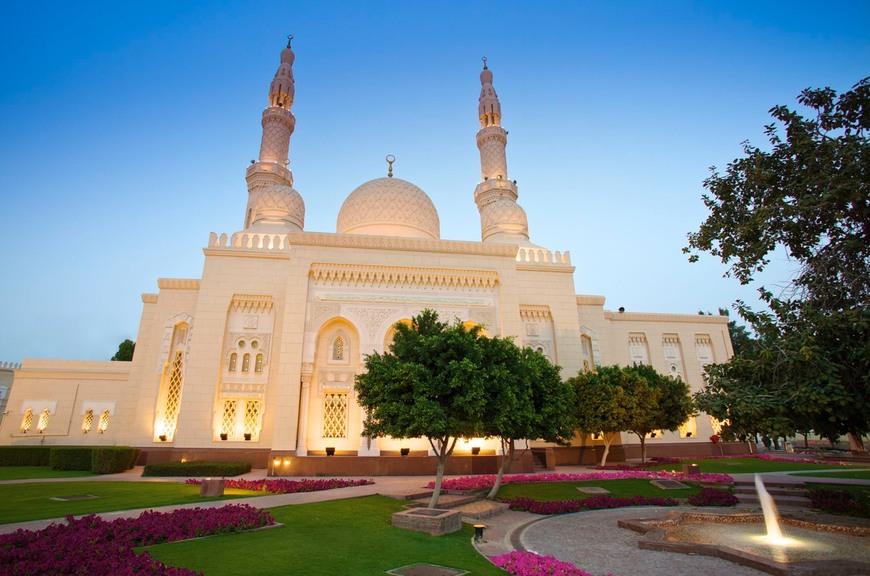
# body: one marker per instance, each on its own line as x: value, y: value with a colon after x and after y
x: 501, y: 218
x: 271, y: 198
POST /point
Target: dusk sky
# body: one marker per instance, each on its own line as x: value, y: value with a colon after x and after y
x: 126, y: 128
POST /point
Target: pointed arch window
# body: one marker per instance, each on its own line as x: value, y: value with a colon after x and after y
x: 338, y: 348
x: 104, y: 422
x: 27, y: 421
x: 44, y: 417
x: 234, y: 358
x: 88, y: 422
x: 246, y: 362
x: 258, y: 363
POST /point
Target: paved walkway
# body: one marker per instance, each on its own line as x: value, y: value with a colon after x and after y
x: 590, y: 540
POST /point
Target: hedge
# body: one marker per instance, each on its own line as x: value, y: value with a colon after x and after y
x: 70, y: 458
x: 100, y: 460
x: 197, y: 468
x: 113, y: 459
x: 25, y: 455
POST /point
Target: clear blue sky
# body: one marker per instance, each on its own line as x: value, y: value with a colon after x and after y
x: 126, y: 128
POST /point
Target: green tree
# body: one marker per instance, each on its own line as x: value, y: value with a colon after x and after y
x: 663, y: 403
x: 432, y: 383
x: 125, y: 351
x: 741, y: 338
x: 809, y: 196
x: 526, y: 400
x: 603, y: 403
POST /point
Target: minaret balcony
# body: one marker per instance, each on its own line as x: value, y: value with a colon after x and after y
x: 495, y: 188
x: 270, y: 168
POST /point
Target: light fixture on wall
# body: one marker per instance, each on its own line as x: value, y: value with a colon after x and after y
x: 162, y: 437
x: 405, y: 451
x: 330, y: 450
x: 475, y: 450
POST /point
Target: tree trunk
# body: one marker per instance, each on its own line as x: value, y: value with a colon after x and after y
x: 505, y: 464
x: 607, y: 437
x: 443, y: 453
x: 856, y: 444
x: 439, y: 477
x: 642, y: 448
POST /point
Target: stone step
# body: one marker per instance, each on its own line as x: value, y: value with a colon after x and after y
x: 781, y: 501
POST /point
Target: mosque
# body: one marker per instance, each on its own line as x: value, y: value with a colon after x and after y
x: 256, y: 359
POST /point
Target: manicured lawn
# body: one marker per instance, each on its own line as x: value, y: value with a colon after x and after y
x: 32, y: 501
x: 328, y: 538
x: 745, y: 466
x: 27, y: 472
x: 853, y: 474
x: 554, y: 491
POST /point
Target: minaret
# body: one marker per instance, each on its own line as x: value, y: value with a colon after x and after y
x: 501, y: 218
x: 272, y: 201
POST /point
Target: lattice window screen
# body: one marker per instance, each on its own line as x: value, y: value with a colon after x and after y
x: 335, y: 415
x: 43, y: 421
x: 27, y: 421
x: 338, y: 348
x: 173, y: 394
x: 104, y: 421
x: 252, y: 416
x: 88, y: 421
x: 228, y: 420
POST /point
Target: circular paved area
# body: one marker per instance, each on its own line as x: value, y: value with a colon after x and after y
x: 594, y: 542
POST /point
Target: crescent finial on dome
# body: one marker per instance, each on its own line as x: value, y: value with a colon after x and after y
x: 390, y: 159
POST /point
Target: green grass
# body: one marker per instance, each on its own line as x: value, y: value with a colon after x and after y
x: 553, y: 491
x: 327, y: 538
x: 853, y: 474
x: 745, y: 466
x: 28, y: 472
x: 32, y: 500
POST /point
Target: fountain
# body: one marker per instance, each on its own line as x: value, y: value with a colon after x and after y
x: 809, y: 547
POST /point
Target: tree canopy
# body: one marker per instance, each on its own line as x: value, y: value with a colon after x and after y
x: 125, y: 351
x: 809, y: 196
x: 527, y: 400
x: 432, y: 383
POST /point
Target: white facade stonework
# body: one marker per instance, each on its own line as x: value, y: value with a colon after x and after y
x: 260, y: 353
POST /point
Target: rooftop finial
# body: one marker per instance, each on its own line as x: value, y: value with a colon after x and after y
x: 390, y: 159
x: 484, y: 63
x: 289, y: 39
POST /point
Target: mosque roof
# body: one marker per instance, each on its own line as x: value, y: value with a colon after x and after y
x: 389, y: 207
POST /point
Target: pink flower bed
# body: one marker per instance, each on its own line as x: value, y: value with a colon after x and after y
x: 591, y: 503
x: 91, y: 545
x: 283, y: 486
x: 531, y: 564
x: 486, y: 481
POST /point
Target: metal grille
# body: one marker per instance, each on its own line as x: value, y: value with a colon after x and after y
x: 338, y: 348
x: 335, y: 416
x: 27, y: 421
x: 228, y: 420
x: 252, y: 416
x: 88, y: 421
x: 173, y: 395
x: 104, y: 421
x: 43, y: 421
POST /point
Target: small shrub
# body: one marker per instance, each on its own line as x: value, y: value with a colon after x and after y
x: 522, y: 563
x: 70, y: 458
x: 837, y: 502
x: 197, y: 468
x: 713, y: 497
x: 283, y: 486
x: 113, y: 459
x: 591, y: 503
x: 25, y: 455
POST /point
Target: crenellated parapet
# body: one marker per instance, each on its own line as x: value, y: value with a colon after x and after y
x: 534, y: 255
x: 249, y: 241
x: 10, y: 365
x: 359, y: 275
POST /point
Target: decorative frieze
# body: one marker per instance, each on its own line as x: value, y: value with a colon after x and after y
x: 637, y: 348
x: 178, y: 284
x: 243, y: 389
x: 148, y: 298
x: 360, y: 275
x: 535, y: 313
x: 252, y: 303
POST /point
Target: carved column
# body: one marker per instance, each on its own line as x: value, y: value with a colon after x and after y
x: 302, y: 439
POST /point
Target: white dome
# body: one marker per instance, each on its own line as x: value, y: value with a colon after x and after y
x: 281, y: 206
x: 389, y: 207
x: 504, y: 219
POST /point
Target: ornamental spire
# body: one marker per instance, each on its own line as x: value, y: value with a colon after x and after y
x: 489, y: 108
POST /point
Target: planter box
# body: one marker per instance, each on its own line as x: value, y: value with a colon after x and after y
x: 212, y: 487
x: 432, y: 521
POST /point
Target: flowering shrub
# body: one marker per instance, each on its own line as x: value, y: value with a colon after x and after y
x: 485, y: 481
x: 713, y: 497
x: 715, y: 438
x: 837, y: 502
x: 91, y: 545
x: 282, y: 486
x: 665, y: 460
x: 531, y: 564
x: 591, y: 503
